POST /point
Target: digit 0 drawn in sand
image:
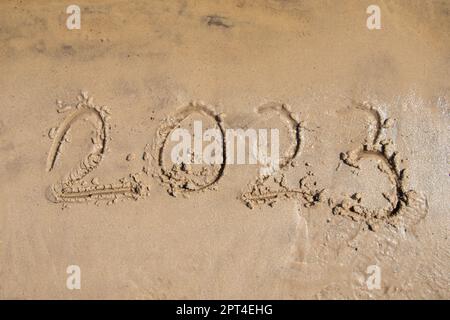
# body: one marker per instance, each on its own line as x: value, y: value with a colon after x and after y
x: 185, y: 178
x: 272, y: 187
x: 405, y: 207
x: 72, y: 188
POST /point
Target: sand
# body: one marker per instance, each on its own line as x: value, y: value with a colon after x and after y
x: 86, y: 179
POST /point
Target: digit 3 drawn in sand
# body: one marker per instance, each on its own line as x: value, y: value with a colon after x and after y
x: 71, y: 188
x: 187, y: 178
x: 272, y: 187
x: 400, y: 200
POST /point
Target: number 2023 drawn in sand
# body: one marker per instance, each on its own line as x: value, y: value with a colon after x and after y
x: 404, y: 208
x: 73, y: 187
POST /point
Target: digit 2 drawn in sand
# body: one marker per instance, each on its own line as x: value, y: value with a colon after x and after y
x: 184, y: 178
x: 403, y: 206
x: 271, y: 187
x: 72, y: 188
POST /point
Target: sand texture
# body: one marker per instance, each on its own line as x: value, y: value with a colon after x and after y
x: 87, y: 179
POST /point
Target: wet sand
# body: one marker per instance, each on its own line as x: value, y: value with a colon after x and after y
x: 363, y: 117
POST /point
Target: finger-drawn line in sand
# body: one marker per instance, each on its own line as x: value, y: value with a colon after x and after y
x: 183, y: 178
x: 272, y: 187
x: 383, y: 150
x: 71, y: 188
x: 294, y: 127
